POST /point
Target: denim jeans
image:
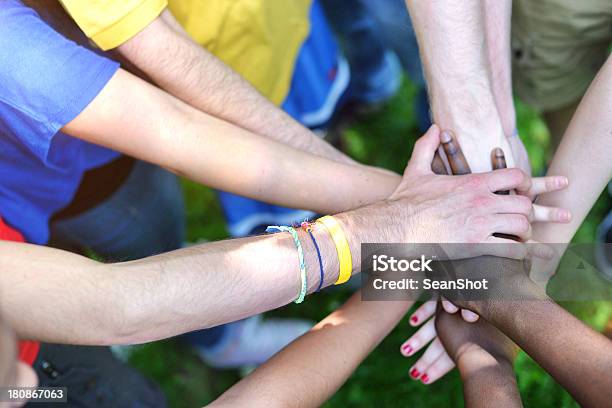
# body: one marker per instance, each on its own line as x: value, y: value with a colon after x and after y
x: 369, y: 31
x: 144, y: 217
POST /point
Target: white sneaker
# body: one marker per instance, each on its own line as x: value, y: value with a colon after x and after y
x: 252, y: 341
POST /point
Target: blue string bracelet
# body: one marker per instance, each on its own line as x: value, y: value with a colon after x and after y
x: 307, y: 226
x: 298, y: 245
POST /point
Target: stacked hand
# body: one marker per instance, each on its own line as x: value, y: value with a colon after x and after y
x: 435, y: 362
x: 430, y: 208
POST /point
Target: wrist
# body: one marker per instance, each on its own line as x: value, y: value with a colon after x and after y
x: 506, y: 314
x: 371, y: 224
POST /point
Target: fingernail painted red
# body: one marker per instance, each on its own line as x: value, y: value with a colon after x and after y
x: 414, y: 373
x: 424, y: 378
x: 414, y: 319
x: 407, y: 348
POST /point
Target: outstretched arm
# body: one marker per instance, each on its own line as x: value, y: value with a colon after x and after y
x: 571, y: 352
x: 167, y: 55
x: 140, y: 120
x: 455, y: 51
x: 80, y: 301
x: 584, y: 157
x: 575, y: 355
x: 312, y: 368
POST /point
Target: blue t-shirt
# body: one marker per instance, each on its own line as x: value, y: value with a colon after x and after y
x: 46, y: 80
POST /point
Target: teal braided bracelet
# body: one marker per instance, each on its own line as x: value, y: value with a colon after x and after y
x: 298, y: 245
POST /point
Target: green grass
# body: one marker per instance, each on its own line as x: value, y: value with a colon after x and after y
x: 384, y: 139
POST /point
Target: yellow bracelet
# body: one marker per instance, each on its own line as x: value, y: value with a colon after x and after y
x: 342, y: 247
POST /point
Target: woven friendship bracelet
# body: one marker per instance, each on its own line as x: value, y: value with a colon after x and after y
x: 298, y: 245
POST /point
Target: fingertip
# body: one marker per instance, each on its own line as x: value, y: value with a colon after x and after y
x: 449, y: 307
x: 469, y: 316
x: 565, y: 216
x: 446, y: 136
x: 406, y: 350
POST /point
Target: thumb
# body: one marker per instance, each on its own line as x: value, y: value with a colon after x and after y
x: 424, y: 150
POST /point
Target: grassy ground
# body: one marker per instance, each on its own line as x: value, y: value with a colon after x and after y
x: 384, y: 139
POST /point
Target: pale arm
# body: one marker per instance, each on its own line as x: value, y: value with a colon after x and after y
x: 167, y: 55
x: 312, y: 368
x: 497, y: 16
x: 454, y: 51
x: 138, y: 119
x: 584, y: 157
x: 55, y: 296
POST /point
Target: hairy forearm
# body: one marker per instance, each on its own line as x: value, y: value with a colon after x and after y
x: 312, y: 368
x: 166, y: 54
x: 454, y: 52
x: 56, y: 296
x: 156, y: 297
x: 497, y: 17
x: 575, y: 355
x: 142, y: 121
x: 487, y: 379
x: 584, y: 158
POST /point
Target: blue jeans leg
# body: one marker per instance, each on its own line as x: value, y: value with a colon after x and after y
x: 375, y: 70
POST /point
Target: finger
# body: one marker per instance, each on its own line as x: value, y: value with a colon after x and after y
x: 437, y: 165
x: 449, y: 307
x: 456, y: 159
x: 506, y: 179
x: 425, y: 148
x: 438, y: 369
x: 432, y: 353
x: 469, y: 316
x: 513, y: 204
x: 513, y: 224
x: 551, y: 214
x: 419, y: 339
x: 505, y: 248
x: 498, y: 159
x: 423, y: 312
x: 498, y: 162
x: 541, y: 185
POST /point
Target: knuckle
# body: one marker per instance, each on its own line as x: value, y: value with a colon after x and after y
x: 523, y: 225
x: 517, y: 176
x: 524, y: 205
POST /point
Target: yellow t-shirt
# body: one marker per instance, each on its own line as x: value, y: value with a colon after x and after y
x: 110, y: 23
x: 259, y: 39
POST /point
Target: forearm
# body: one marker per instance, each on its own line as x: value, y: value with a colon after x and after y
x: 497, y: 15
x: 312, y: 368
x: 584, y: 158
x: 487, y: 379
x: 573, y: 354
x: 454, y: 52
x: 166, y: 54
x: 56, y: 296
x: 68, y: 298
x: 138, y: 119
